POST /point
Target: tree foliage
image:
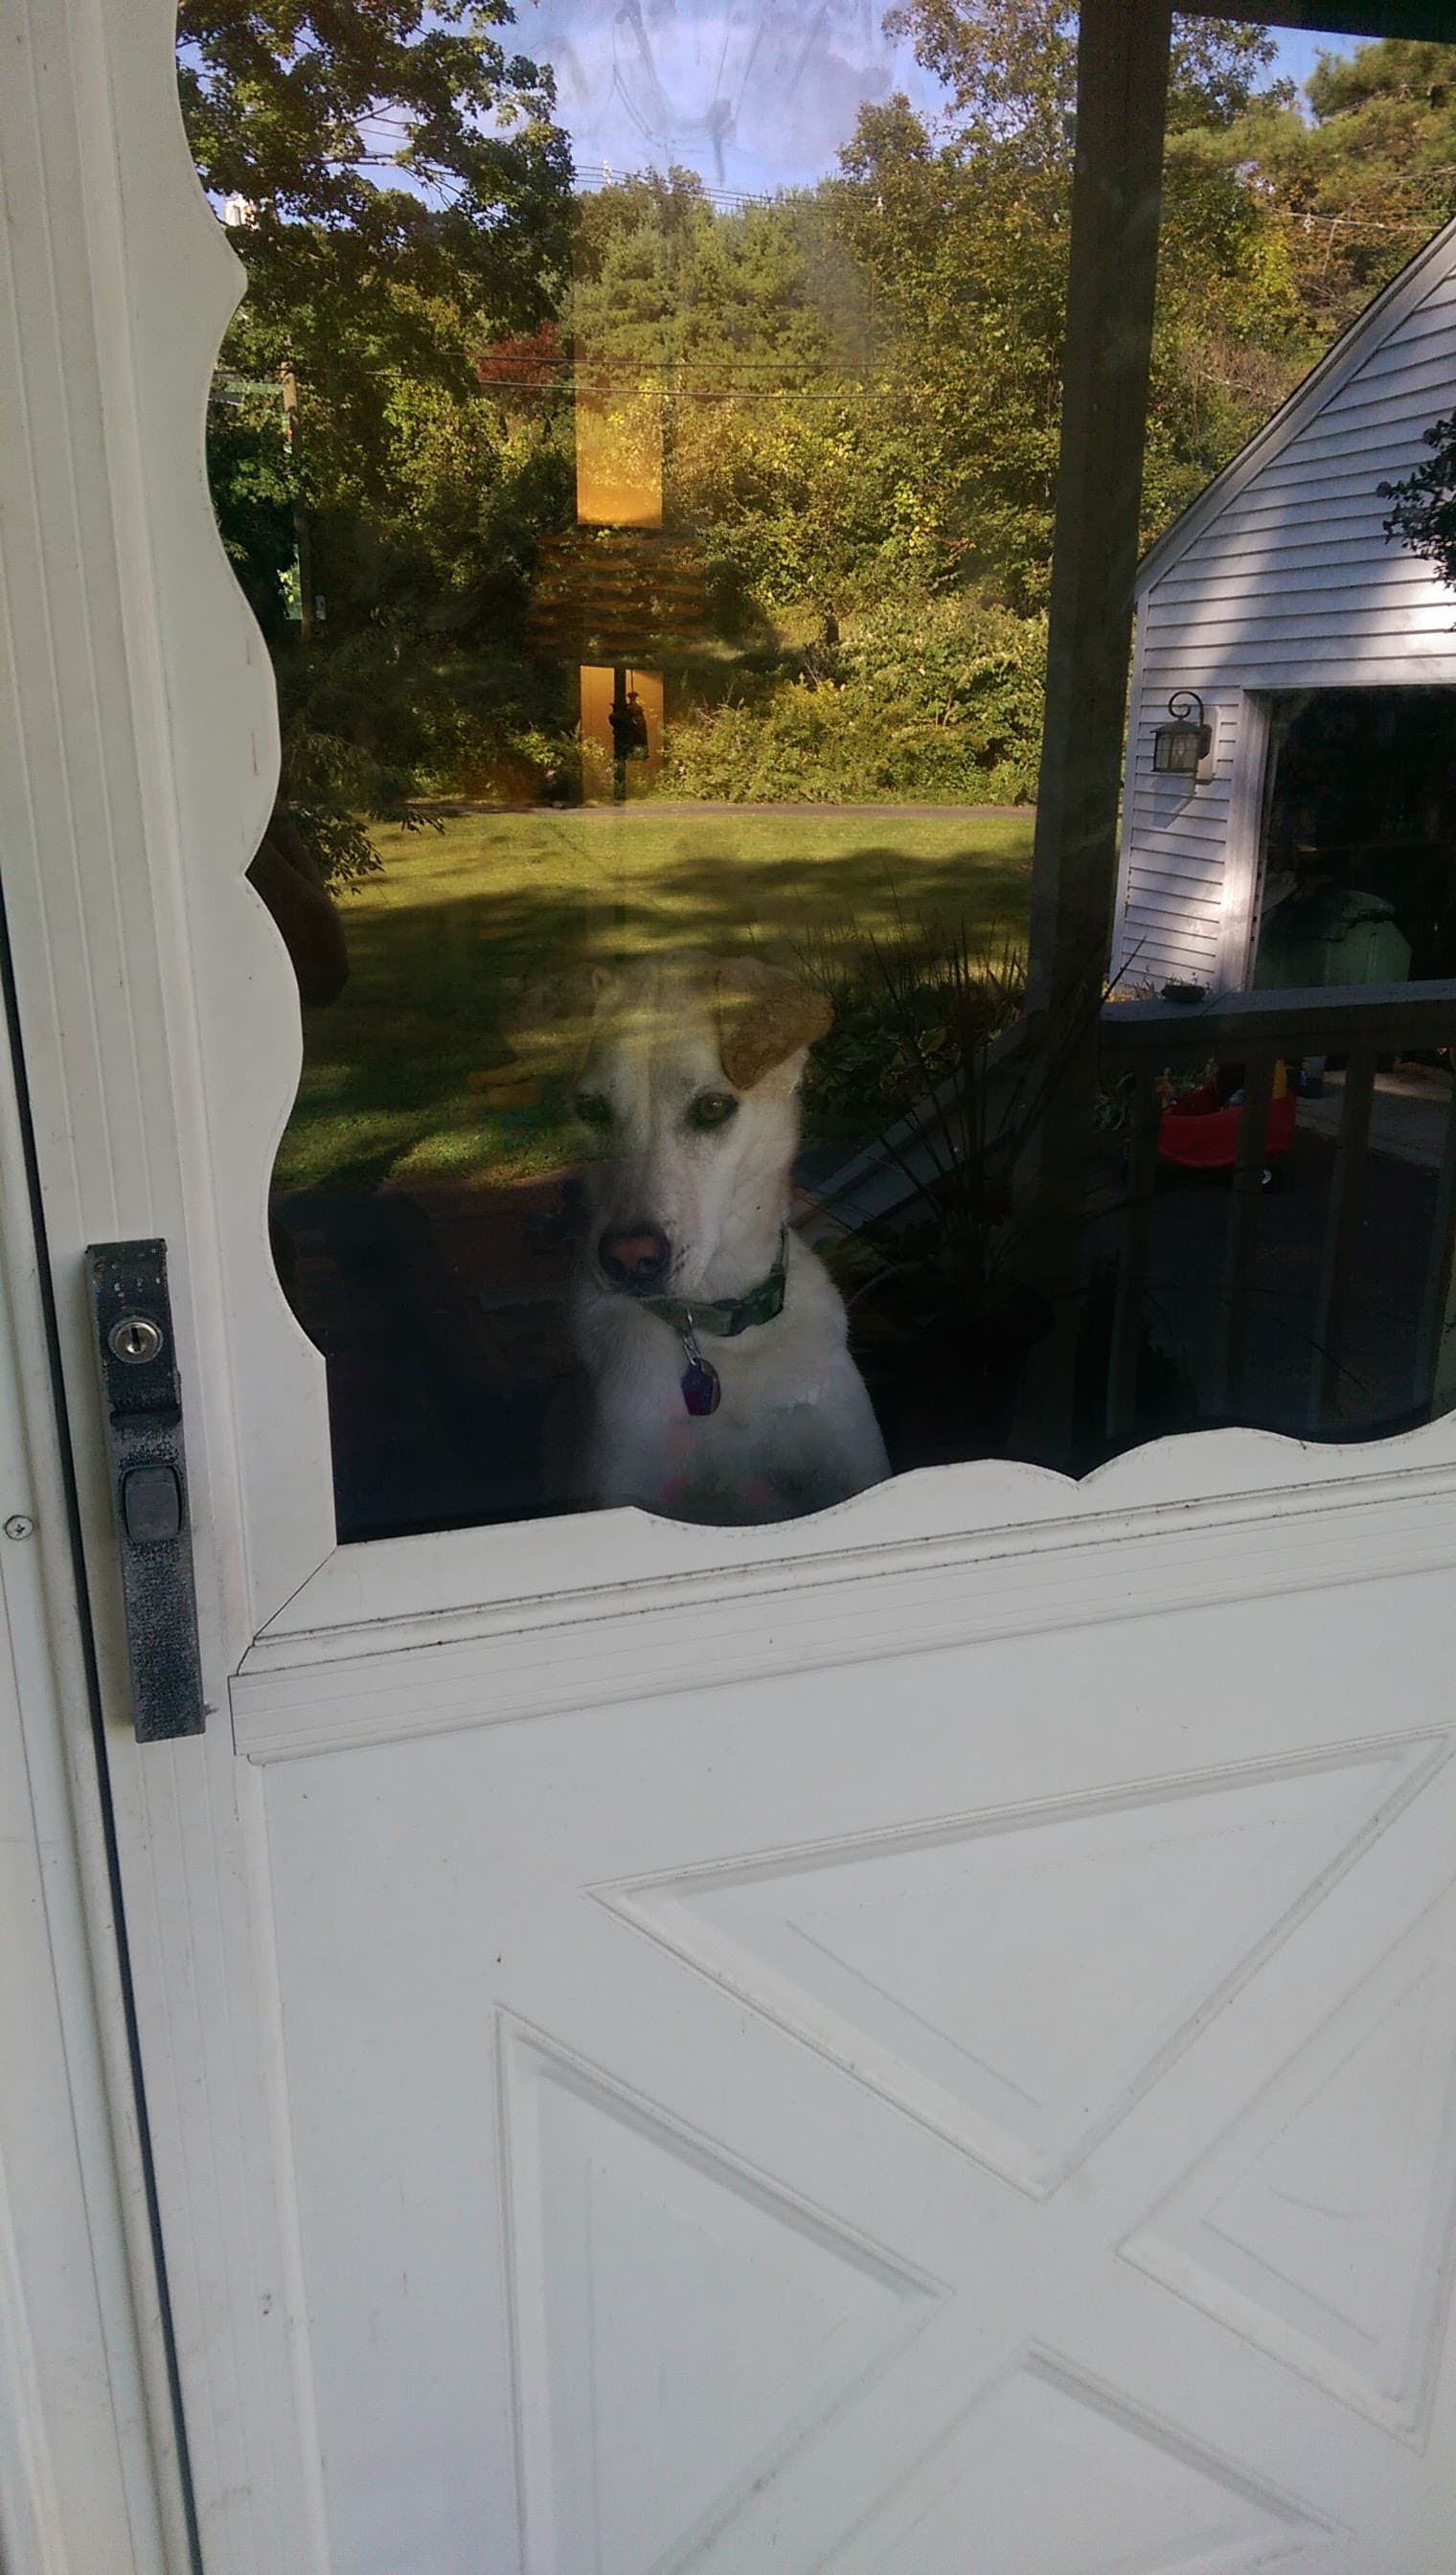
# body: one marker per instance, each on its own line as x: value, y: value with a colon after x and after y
x: 397, y: 171
x: 1350, y: 192
x: 854, y: 389
x: 400, y: 195
x: 1424, y: 516
x: 966, y: 230
x: 938, y: 699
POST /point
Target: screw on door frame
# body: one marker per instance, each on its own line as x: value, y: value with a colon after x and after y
x: 19, y: 1524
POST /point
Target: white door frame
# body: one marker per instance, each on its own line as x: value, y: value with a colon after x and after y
x: 1243, y: 843
x: 160, y: 1025
x: 89, y: 2471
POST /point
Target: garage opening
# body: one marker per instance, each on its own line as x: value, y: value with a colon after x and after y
x: 1359, y: 858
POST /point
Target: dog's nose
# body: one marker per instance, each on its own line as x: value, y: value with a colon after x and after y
x: 636, y: 1257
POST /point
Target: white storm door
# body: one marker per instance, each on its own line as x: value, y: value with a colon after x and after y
x: 993, y: 2105
x: 921, y: 2038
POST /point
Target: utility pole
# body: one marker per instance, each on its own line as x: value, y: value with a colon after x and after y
x: 293, y: 425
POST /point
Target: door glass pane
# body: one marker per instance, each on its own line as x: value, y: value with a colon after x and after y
x: 672, y: 783
x: 638, y: 445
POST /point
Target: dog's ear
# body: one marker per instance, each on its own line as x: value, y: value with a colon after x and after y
x: 764, y: 1017
x: 572, y: 994
x: 549, y: 1027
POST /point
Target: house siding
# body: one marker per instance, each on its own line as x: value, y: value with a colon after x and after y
x: 1291, y: 584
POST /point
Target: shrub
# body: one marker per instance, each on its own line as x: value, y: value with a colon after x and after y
x: 935, y: 700
x: 911, y: 1013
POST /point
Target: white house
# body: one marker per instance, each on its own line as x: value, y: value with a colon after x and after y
x: 1315, y: 644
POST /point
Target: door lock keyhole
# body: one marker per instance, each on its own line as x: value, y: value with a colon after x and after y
x: 135, y: 1339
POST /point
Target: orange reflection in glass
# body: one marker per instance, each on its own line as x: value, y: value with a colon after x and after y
x: 619, y: 454
x: 621, y: 729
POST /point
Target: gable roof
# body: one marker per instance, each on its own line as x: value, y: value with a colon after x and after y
x: 1379, y: 321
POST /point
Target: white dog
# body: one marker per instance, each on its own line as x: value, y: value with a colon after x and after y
x: 714, y: 1341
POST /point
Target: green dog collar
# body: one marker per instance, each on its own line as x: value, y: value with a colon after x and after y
x: 726, y: 1316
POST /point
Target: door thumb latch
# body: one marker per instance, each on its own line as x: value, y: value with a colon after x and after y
x: 143, y: 1398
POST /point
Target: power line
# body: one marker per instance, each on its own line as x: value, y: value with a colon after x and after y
x: 726, y: 393
x: 599, y: 174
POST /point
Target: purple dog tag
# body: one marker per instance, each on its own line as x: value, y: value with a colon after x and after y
x: 701, y: 1391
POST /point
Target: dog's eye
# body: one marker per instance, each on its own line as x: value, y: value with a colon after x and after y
x: 592, y: 1110
x: 713, y: 1109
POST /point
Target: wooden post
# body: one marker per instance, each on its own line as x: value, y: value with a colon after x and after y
x: 293, y: 424
x: 1243, y: 1218
x: 1123, y: 71
x: 1143, y: 1123
x: 1435, y: 1356
x: 1341, y: 1240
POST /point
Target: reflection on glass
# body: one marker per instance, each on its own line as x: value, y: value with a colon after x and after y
x: 642, y: 464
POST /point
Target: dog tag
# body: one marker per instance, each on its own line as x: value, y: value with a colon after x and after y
x: 701, y: 1391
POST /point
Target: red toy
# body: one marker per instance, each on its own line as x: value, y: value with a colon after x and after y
x: 1200, y: 1132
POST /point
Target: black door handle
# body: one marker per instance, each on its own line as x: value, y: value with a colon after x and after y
x: 143, y: 1395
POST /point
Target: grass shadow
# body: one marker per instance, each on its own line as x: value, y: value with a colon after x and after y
x: 427, y: 1067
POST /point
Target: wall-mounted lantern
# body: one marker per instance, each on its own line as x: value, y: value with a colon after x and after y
x: 1179, y: 748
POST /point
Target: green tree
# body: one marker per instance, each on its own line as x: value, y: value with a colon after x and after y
x: 1355, y: 188
x: 965, y: 231
x: 297, y: 109
x: 1009, y: 70
x: 400, y: 197
x: 253, y: 496
x: 754, y: 324
x: 854, y: 389
x: 400, y: 194
x: 861, y: 391
x: 1424, y: 516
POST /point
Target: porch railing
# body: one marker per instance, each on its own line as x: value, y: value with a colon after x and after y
x: 1257, y: 1031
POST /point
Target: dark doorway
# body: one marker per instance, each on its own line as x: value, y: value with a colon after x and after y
x: 1359, y: 879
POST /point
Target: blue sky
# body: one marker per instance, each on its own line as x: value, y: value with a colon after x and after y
x: 1298, y: 53
x: 752, y: 94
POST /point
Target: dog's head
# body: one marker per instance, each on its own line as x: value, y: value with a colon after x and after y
x: 689, y: 1093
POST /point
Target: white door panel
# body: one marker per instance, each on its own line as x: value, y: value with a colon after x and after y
x: 785, y: 2137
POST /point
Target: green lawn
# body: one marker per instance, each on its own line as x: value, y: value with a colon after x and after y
x: 426, y: 1064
